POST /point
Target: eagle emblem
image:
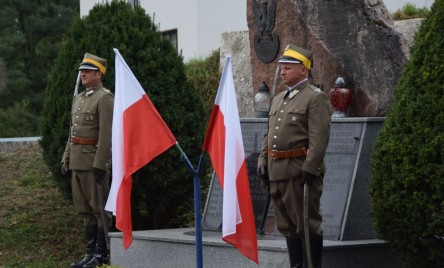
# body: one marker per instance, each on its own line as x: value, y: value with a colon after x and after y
x: 266, y: 43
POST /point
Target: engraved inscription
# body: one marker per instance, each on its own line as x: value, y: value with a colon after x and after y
x: 252, y: 135
x: 212, y: 218
x: 340, y: 162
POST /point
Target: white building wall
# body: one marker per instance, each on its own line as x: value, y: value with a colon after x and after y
x: 199, y: 23
x: 216, y: 17
x: 180, y: 15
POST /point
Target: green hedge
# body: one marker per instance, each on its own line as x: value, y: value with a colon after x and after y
x: 162, y: 195
x: 407, y: 185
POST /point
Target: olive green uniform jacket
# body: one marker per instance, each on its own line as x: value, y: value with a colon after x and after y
x: 300, y: 118
x: 91, y: 117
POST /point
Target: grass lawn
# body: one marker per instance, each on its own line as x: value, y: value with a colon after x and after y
x: 38, y: 226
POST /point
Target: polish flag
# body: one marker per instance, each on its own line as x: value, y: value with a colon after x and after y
x: 139, y: 134
x: 223, y: 141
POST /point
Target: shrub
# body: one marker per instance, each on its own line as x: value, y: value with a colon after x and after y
x: 410, y: 11
x: 18, y: 120
x: 162, y: 193
x: 407, y: 185
x: 205, y: 76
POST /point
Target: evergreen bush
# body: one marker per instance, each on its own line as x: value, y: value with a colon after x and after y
x: 205, y: 76
x: 18, y: 120
x: 162, y: 195
x: 407, y: 185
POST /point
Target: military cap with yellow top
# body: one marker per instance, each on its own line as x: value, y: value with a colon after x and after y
x: 297, y: 55
x: 92, y: 62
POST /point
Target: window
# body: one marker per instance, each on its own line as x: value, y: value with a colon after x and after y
x: 172, y: 36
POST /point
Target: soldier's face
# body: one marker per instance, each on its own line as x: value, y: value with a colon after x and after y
x: 292, y: 73
x: 90, y: 78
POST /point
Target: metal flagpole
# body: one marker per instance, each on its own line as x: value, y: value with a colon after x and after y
x: 197, y: 203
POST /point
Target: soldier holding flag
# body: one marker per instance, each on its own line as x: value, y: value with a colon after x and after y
x: 88, y: 156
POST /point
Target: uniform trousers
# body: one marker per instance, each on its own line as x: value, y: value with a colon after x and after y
x: 288, y: 205
x: 85, y: 196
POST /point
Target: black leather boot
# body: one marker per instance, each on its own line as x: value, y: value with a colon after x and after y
x: 295, y: 251
x: 91, y: 239
x: 101, y: 255
x: 316, y: 244
x: 316, y: 250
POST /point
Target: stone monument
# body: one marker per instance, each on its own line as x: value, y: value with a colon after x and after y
x: 353, y: 39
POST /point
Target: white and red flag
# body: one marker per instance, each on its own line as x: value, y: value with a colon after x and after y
x: 139, y: 134
x: 223, y: 142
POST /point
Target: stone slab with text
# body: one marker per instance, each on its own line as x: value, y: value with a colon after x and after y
x: 345, y: 202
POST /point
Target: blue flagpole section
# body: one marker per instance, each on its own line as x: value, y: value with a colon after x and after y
x: 197, y: 204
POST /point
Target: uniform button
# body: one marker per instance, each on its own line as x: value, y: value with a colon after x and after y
x: 275, y: 136
x: 282, y: 111
x: 279, y: 119
x: 78, y: 109
x: 277, y: 127
x: 74, y: 133
x: 77, y: 116
x: 274, y: 145
x: 285, y: 103
x: 87, y: 111
x: 75, y: 124
x: 82, y: 101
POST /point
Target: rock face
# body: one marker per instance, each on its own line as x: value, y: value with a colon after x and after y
x: 354, y: 39
x: 408, y: 29
x: 236, y: 44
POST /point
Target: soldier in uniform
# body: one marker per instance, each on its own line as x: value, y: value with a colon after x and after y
x: 88, y: 156
x: 293, y: 153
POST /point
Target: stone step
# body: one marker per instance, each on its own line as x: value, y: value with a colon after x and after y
x: 12, y: 144
x: 176, y: 248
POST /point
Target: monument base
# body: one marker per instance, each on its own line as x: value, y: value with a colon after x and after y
x: 176, y: 248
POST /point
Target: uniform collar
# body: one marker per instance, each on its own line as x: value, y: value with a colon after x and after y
x: 90, y: 90
x: 293, y: 90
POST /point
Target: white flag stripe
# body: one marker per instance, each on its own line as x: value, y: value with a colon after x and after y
x: 234, y: 151
x: 123, y: 99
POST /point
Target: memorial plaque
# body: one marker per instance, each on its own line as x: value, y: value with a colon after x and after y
x: 212, y: 218
x: 340, y: 161
x: 252, y: 136
x: 252, y: 133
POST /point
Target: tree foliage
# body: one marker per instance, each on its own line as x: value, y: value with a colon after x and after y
x: 407, y: 186
x: 30, y: 35
x: 162, y: 194
x: 18, y: 120
x: 205, y: 76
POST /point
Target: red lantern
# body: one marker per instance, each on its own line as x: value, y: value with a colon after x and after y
x: 340, y: 97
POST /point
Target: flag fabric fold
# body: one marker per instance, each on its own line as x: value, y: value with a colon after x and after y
x: 223, y: 142
x: 139, y: 134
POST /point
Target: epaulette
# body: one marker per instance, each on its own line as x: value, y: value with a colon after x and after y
x: 316, y: 89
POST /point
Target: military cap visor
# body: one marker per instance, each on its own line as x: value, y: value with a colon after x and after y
x: 285, y: 59
x: 92, y: 62
x: 88, y: 66
x: 292, y: 55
